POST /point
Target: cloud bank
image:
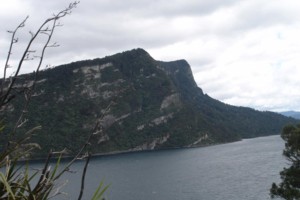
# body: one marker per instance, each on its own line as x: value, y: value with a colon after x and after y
x: 243, y: 53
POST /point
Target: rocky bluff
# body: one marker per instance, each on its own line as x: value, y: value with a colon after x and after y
x: 141, y: 103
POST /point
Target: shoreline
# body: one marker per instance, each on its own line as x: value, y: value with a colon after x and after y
x: 114, y: 153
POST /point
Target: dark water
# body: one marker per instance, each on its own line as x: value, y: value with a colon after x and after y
x: 242, y: 170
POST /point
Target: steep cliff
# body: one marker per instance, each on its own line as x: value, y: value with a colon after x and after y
x: 153, y: 105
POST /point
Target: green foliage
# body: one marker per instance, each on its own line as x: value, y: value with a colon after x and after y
x: 99, y: 192
x: 71, y: 98
x: 289, y: 188
x: 16, y: 182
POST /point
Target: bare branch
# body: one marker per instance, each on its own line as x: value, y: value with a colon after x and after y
x: 44, y: 173
x: 59, y: 24
x: 44, y: 26
x: 22, y: 123
x: 64, y: 151
x: 31, y: 33
x: 53, y: 45
x: 13, y: 41
x: 46, y: 33
x: 79, y: 153
x: 83, y: 176
x: 26, y: 56
x: 9, y: 88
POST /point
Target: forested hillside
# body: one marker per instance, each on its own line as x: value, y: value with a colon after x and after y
x: 141, y: 104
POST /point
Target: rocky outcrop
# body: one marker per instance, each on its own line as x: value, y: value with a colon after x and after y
x: 151, y: 145
x: 140, y: 103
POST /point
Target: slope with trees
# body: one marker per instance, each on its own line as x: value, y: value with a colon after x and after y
x: 152, y: 105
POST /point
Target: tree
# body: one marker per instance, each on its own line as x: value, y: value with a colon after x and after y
x: 289, y: 188
x: 16, y: 182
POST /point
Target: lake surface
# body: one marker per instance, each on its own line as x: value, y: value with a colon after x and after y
x: 242, y: 170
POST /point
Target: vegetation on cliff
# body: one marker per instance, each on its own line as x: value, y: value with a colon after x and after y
x: 153, y: 105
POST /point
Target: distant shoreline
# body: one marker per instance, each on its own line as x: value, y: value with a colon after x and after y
x: 113, y: 153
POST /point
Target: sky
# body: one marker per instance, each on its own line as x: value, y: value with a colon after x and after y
x: 241, y: 52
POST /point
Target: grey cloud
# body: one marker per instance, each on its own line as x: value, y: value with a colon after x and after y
x: 262, y: 16
x: 210, y: 35
x: 162, y: 8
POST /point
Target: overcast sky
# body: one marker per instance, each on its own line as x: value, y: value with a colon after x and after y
x: 242, y: 52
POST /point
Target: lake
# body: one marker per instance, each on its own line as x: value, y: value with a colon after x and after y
x: 241, y: 170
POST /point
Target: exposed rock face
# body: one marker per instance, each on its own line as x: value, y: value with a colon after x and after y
x: 160, y: 120
x: 200, y: 140
x: 150, y: 145
x: 172, y: 100
x: 141, y: 103
x: 103, y: 138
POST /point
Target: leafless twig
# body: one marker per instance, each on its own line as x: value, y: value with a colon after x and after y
x: 83, y: 176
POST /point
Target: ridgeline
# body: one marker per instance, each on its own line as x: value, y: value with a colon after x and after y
x: 152, y: 105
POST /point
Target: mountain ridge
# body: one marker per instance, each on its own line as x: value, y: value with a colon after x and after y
x: 294, y: 114
x: 156, y: 105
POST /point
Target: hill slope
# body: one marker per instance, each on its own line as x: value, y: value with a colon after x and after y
x: 154, y: 105
x: 293, y: 114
